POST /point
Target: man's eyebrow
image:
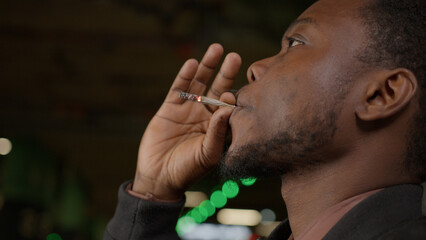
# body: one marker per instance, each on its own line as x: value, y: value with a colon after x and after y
x: 306, y: 20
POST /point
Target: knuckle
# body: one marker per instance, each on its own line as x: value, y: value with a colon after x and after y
x: 215, y: 91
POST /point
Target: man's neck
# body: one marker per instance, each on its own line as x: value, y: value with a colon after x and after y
x: 307, y: 195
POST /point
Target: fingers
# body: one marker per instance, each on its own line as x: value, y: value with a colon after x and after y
x: 226, y: 76
x: 194, y: 77
x: 228, y: 98
x: 182, y: 81
x: 214, y: 140
x: 206, y: 69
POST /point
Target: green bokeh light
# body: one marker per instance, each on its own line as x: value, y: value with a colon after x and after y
x: 230, y: 189
x: 53, y: 236
x: 203, y: 212
x: 184, y: 225
x: 197, y: 216
x: 208, y: 206
x: 218, y: 199
x: 248, y: 181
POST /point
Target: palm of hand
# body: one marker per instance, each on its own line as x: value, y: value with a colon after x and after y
x: 172, y: 145
x: 185, y: 139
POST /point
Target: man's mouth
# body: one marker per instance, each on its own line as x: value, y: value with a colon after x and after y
x: 239, y: 103
x: 240, y: 106
x: 242, y: 103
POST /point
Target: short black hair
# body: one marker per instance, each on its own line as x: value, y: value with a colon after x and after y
x: 397, y: 36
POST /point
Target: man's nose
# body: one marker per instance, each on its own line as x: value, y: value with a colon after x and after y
x: 257, y: 69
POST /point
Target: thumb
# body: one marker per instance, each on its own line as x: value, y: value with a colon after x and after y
x: 214, y: 140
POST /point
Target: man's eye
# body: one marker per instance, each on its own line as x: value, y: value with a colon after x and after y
x: 292, y: 42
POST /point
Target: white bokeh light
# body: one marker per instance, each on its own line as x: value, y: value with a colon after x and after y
x: 5, y: 146
x: 243, y: 217
x: 267, y: 215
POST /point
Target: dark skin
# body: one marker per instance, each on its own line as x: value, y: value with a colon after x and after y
x: 312, y: 71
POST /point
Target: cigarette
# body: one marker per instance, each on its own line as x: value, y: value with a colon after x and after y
x: 203, y: 99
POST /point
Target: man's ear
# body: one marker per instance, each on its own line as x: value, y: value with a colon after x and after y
x: 388, y: 92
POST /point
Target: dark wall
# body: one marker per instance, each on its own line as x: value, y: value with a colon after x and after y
x: 80, y: 81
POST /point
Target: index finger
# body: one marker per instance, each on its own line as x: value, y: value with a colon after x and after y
x: 206, y: 69
x: 226, y: 76
x: 182, y: 81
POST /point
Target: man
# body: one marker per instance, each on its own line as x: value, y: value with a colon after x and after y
x: 338, y: 113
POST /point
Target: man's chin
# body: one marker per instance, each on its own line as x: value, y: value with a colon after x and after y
x: 245, y: 162
x: 269, y: 158
x: 233, y: 169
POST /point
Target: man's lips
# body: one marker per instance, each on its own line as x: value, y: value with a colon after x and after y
x: 242, y: 103
x: 240, y: 106
x: 237, y: 119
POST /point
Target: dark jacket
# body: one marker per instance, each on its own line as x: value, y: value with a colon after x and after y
x: 393, y: 213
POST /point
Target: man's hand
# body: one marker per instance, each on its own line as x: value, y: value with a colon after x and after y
x: 186, y: 139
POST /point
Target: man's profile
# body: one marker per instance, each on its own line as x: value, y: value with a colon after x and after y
x: 339, y: 114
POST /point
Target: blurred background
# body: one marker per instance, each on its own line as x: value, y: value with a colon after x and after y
x: 80, y: 81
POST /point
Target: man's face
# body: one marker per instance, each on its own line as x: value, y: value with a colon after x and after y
x: 289, y: 114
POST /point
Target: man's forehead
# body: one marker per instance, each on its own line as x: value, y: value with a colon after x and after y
x: 330, y: 15
x: 335, y: 8
x: 303, y: 20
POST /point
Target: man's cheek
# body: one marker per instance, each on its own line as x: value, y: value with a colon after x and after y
x: 267, y: 119
x: 244, y: 132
